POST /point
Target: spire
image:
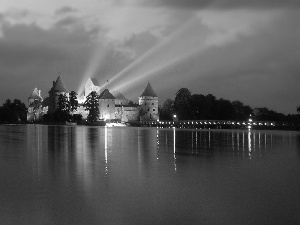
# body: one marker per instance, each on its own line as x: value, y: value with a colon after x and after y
x: 59, y: 86
x: 106, y: 95
x: 36, y: 95
x: 148, y: 91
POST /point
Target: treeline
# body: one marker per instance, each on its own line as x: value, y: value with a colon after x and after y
x: 13, y: 112
x: 207, y: 107
x: 67, y: 108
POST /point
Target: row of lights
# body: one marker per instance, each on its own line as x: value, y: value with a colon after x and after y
x: 250, y: 123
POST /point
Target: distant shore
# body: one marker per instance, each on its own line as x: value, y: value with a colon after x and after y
x: 186, y: 124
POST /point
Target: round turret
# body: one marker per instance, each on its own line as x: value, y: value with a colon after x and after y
x: 148, y: 102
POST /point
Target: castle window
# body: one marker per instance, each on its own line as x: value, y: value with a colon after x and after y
x: 108, y: 105
x: 153, y: 109
x: 148, y: 109
x: 152, y: 103
x: 145, y: 103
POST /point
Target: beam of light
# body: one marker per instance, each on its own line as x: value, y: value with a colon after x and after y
x: 186, y: 38
x: 157, y: 71
x: 97, y: 60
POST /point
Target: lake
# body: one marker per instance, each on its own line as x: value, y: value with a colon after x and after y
x: 139, y: 175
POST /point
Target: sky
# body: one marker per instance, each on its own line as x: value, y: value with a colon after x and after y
x: 234, y: 49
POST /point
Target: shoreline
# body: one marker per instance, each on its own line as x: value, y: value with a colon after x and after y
x: 190, y: 124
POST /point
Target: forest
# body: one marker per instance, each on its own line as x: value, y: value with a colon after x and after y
x: 187, y: 106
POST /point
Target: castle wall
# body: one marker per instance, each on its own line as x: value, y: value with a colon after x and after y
x: 127, y: 113
x: 34, y: 115
x: 148, y: 108
x: 107, y: 108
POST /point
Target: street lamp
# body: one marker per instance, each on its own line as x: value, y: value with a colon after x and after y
x: 175, y: 117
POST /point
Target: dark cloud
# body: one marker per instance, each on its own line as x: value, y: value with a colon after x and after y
x: 70, y: 20
x: 65, y: 10
x: 138, y: 44
x: 228, y: 4
x: 32, y: 57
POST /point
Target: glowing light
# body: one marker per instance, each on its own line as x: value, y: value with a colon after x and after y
x: 188, y: 39
x: 174, y: 137
x: 105, y: 148
x: 96, y: 61
x: 249, y: 143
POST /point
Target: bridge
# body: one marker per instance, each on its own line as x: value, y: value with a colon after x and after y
x: 210, y: 124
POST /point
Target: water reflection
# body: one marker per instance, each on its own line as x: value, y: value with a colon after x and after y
x: 174, y: 146
x: 249, y: 143
x: 147, y: 148
x: 239, y: 143
x: 105, y: 149
x: 131, y: 175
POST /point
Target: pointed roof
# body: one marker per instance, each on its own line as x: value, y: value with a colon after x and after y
x: 119, y: 95
x: 46, y: 102
x: 95, y: 81
x: 148, y: 91
x: 35, y: 95
x: 106, y: 95
x: 59, y: 86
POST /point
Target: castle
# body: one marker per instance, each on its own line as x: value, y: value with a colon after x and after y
x: 112, y: 106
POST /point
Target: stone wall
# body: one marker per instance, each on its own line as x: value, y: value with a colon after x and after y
x: 148, y: 108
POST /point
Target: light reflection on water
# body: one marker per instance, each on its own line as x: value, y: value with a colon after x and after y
x: 102, y: 175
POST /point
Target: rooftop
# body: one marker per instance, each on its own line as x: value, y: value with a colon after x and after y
x: 106, y: 95
x: 59, y: 86
x: 148, y: 91
x: 35, y: 95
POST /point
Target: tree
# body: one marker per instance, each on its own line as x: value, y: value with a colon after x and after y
x: 210, y: 107
x: 62, y: 113
x: 182, y: 104
x: 73, y: 102
x: 63, y: 103
x: 197, y: 103
x: 166, y: 111
x: 15, y: 111
x: 225, y: 110
x: 298, y: 109
x: 92, y: 105
x: 264, y: 114
x: 241, y: 111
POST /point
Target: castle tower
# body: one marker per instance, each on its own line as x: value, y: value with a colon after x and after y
x: 91, y: 85
x: 148, y: 102
x: 35, y: 112
x: 58, y: 88
x: 106, y: 105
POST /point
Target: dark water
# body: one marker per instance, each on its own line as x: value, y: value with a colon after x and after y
x: 126, y: 175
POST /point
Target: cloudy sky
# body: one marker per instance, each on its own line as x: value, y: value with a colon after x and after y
x: 235, y: 49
